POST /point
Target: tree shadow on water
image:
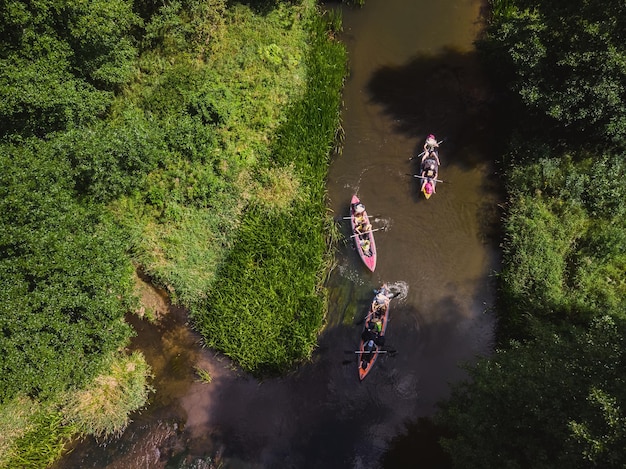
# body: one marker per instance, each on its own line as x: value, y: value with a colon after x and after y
x: 418, y: 447
x: 446, y: 94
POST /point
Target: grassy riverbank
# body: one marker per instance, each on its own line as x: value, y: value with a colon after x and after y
x: 192, y: 144
x: 238, y: 231
x: 267, y: 306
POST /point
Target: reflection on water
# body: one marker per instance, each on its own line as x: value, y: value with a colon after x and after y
x: 409, y: 77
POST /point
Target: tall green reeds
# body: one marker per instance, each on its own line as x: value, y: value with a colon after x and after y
x: 267, y: 305
x: 42, y: 442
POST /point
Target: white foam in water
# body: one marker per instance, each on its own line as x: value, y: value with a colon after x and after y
x: 347, y: 271
x: 400, y: 289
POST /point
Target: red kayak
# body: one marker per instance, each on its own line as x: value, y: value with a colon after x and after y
x: 365, y: 245
x: 373, y: 336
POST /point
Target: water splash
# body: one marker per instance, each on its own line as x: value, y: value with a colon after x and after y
x: 400, y: 289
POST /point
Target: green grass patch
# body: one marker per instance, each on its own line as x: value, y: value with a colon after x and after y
x: 267, y: 305
x: 217, y: 105
x: 32, y: 435
x: 104, y: 406
x: 204, y: 376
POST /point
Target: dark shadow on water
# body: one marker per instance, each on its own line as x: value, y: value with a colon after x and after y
x: 444, y: 94
x: 319, y: 415
x: 417, y: 447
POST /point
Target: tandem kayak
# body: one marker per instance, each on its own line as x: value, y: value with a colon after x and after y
x: 363, y: 239
x: 373, y: 335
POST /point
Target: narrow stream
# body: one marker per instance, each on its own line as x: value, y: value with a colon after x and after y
x: 413, y: 72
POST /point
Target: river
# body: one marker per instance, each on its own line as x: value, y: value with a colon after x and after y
x: 413, y: 71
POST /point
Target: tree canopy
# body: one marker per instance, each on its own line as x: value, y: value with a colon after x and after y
x: 565, y: 60
x: 60, y: 61
x: 556, y: 401
x: 64, y: 275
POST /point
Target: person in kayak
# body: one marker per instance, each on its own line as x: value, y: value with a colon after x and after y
x: 364, y: 243
x: 362, y: 227
x: 429, y: 171
x: 359, y: 209
x: 359, y: 218
x: 427, y: 187
x: 433, y: 155
x: 376, y: 325
x: 379, y: 305
x: 374, y: 332
x: 430, y: 145
x: 368, y: 354
x: 360, y: 223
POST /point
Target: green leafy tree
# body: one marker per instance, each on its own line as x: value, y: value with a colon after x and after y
x: 565, y: 59
x: 59, y: 61
x: 553, y: 402
x: 100, y: 33
x: 64, y: 275
x: 39, y: 94
x: 112, y: 157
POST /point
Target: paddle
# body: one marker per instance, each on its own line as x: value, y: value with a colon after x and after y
x: 365, y: 232
x: 426, y: 177
x: 369, y: 216
x: 390, y: 352
x: 417, y: 156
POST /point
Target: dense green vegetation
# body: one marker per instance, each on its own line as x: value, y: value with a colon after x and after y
x: 189, y: 139
x: 552, y: 395
x: 275, y: 271
x: 552, y: 402
x: 564, y: 60
x: 65, y: 276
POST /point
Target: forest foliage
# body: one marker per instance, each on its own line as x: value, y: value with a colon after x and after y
x: 564, y: 61
x: 155, y: 136
x: 552, y: 393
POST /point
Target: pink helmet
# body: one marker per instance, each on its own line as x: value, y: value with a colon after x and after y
x: 431, y: 136
x: 428, y: 188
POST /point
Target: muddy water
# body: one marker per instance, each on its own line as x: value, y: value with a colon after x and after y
x: 413, y: 71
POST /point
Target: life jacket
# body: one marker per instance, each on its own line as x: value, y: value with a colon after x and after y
x: 363, y: 226
x: 430, y: 167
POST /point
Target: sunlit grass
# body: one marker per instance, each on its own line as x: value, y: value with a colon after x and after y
x: 249, y: 73
x: 278, y: 188
x: 267, y: 304
x: 32, y: 435
x: 103, y: 408
x: 204, y: 376
x: 15, y: 421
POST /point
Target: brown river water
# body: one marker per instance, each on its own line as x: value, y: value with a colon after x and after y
x: 413, y: 71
